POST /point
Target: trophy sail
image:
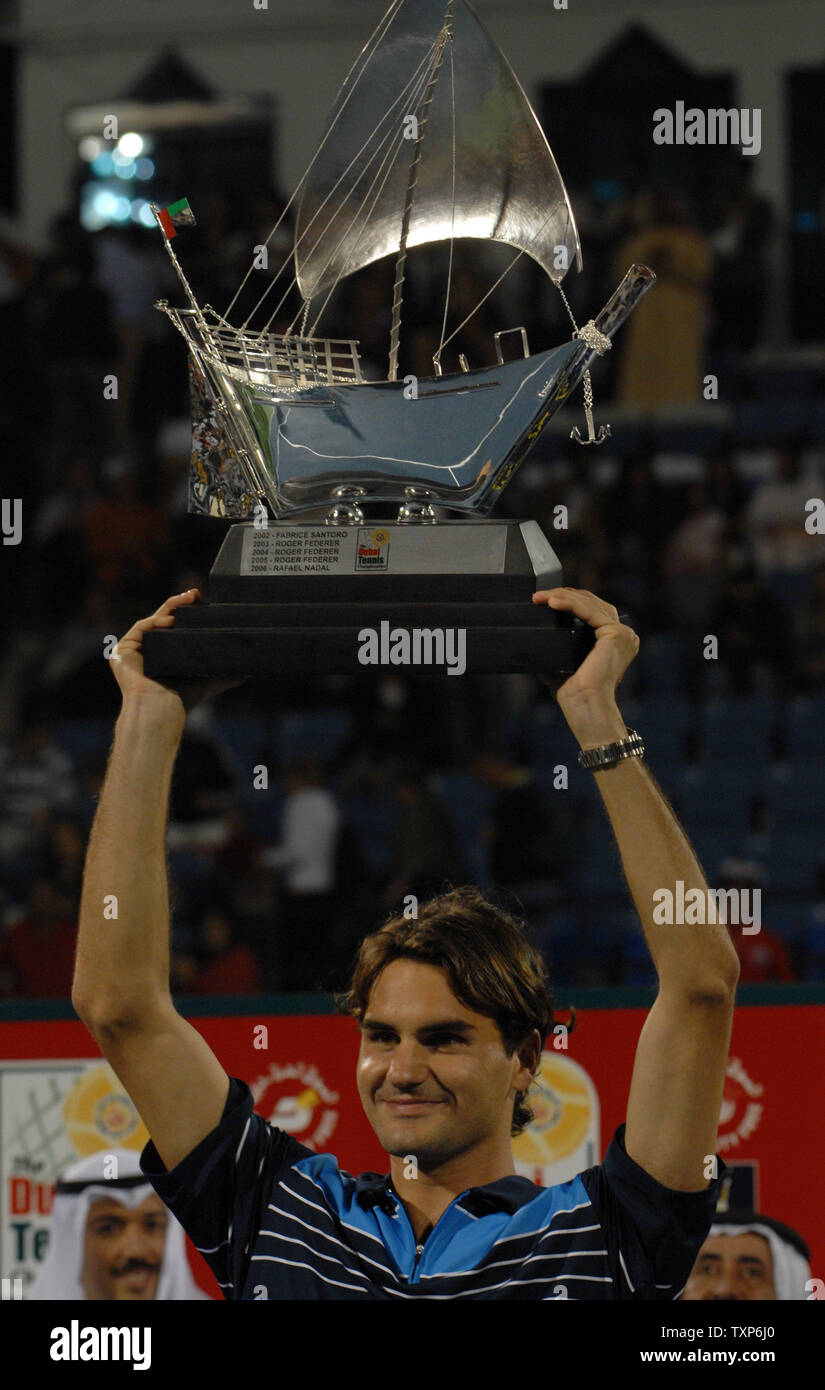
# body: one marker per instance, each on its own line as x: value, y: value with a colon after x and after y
x: 486, y: 170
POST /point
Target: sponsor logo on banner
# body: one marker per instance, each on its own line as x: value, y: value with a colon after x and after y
x: 373, y: 549
x: 563, y: 1137
x: 741, y: 1109
x: 52, y: 1114
x: 295, y: 1098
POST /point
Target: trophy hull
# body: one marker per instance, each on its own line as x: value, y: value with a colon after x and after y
x: 302, y: 422
x: 459, y: 437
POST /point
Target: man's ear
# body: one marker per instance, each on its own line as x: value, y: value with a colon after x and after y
x: 529, y: 1054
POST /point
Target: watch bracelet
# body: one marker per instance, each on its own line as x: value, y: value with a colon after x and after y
x: 607, y: 755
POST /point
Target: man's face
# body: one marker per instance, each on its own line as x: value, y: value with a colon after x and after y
x: 433, y: 1076
x: 123, y: 1249
x: 732, y: 1267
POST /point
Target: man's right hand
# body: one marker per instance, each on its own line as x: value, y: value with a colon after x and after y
x: 127, y: 665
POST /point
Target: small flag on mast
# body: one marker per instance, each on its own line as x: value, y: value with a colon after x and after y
x: 177, y: 214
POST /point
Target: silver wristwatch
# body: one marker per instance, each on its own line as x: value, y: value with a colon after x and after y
x: 608, y: 754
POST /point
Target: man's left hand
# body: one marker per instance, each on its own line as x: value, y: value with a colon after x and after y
x: 588, y: 697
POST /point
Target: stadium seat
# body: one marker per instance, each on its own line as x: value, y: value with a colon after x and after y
x: 737, y: 730
x: 806, y: 730
x: 660, y: 665
x: 689, y: 438
x: 249, y: 738
x: 548, y: 737
x: 815, y: 424
x: 794, y: 383
x: 468, y: 802
x: 320, y: 733
x: 81, y: 738
x: 720, y: 796
x: 770, y: 420
x: 791, y: 860
x: 373, y: 820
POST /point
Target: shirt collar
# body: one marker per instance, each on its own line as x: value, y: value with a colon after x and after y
x: 506, y: 1194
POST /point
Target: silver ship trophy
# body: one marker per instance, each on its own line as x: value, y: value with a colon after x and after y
x: 431, y: 139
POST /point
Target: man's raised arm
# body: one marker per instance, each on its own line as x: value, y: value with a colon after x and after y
x: 121, y: 981
x: 679, y: 1070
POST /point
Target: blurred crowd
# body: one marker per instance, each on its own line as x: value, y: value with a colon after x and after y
x: 272, y: 886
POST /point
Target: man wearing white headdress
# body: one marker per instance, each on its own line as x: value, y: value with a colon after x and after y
x: 112, y: 1237
x: 749, y: 1256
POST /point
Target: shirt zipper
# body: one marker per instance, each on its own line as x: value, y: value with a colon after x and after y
x: 419, y: 1251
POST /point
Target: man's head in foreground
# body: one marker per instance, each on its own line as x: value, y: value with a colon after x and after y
x: 112, y: 1238
x: 747, y: 1257
x: 454, y: 1007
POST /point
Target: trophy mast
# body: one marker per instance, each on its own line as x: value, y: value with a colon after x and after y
x: 398, y: 289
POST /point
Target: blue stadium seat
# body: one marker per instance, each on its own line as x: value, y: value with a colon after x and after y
x: 660, y: 665
x: 720, y: 796
x: 788, y: 918
x: 688, y: 438
x: 815, y: 430
x: 794, y: 383
x: 661, y: 719
x: 264, y: 809
x: 795, y: 802
x: 81, y: 738
x: 806, y: 730
x: 599, y: 871
x: 250, y: 739
x: 635, y: 964
x: 469, y: 803
x: 770, y: 420
x: 791, y: 860
x: 812, y: 940
x: 737, y: 730
x: 321, y: 733
x: 549, y: 740
x: 373, y: 820
x: 559, y: 944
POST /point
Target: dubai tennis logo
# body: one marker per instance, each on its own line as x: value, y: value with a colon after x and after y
x: 373, y: 551
x: 296, y: 1099
x: 98, y: 1114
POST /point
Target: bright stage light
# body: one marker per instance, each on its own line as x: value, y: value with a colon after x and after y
x: 90, y: 147
x: 130, y: 144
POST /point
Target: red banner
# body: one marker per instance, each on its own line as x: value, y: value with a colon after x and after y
x: 302, y: 1073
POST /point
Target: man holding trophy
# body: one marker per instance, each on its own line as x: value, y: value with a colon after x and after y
x: 453, y: 1007
x: 446, y: 1058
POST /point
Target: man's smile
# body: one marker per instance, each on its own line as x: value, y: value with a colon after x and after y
x: 409, y: 1105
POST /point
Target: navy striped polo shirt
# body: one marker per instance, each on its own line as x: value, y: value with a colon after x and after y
x: 275, y: 1220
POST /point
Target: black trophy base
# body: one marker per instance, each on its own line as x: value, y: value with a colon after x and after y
x: 447, y: 599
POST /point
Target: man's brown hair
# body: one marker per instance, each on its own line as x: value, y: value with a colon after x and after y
x: 491, y: 966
